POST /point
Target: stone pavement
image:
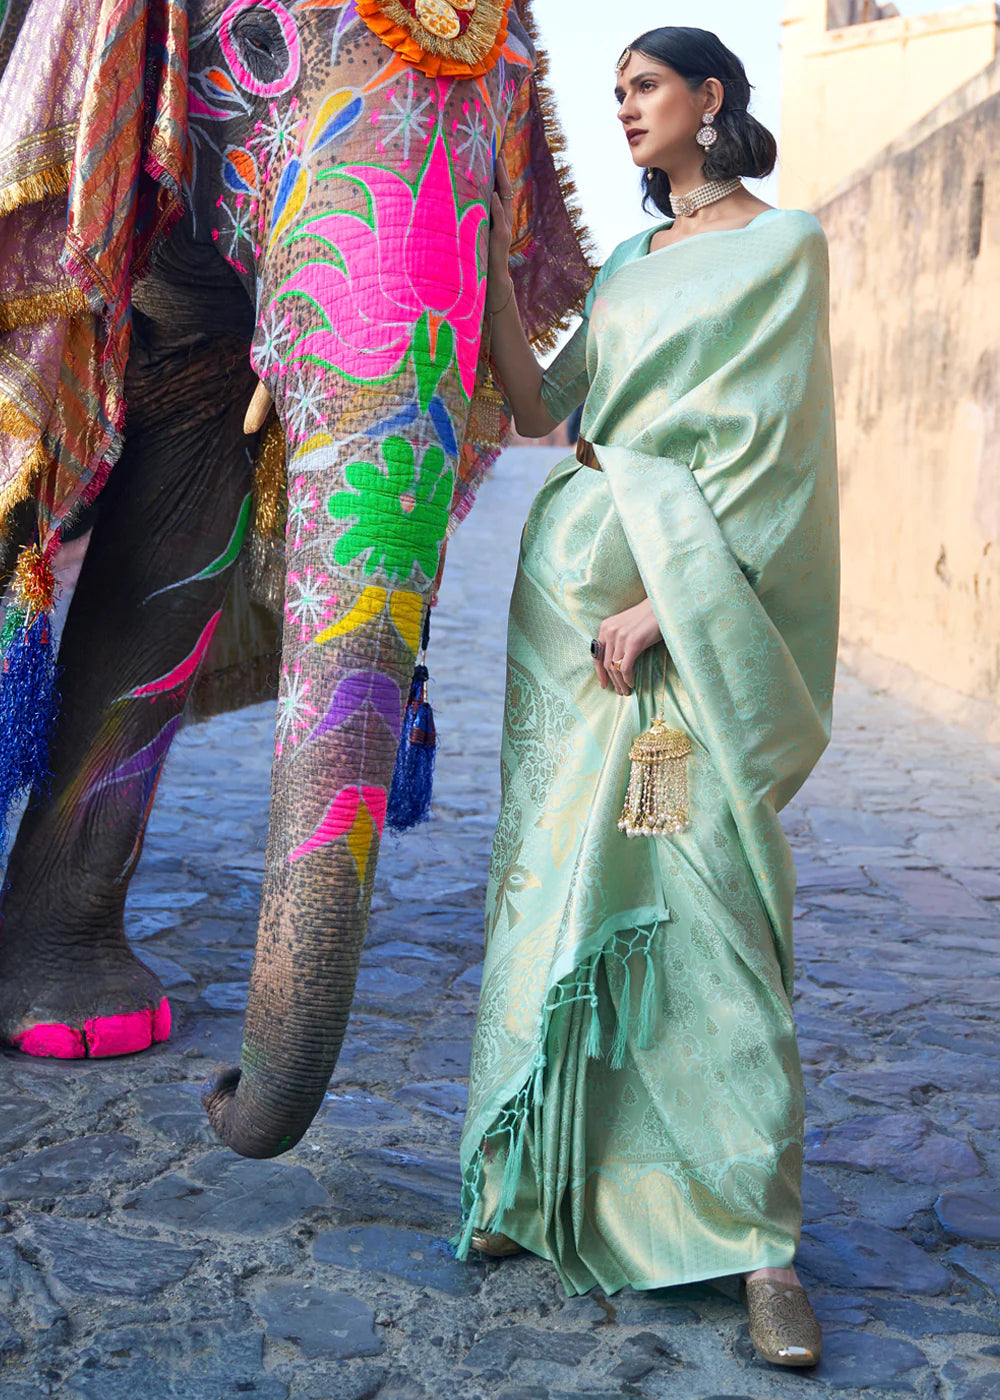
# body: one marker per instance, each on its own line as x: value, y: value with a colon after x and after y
x: 139, y: 1259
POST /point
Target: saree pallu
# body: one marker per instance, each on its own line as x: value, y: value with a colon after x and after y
x: 635, y: 1105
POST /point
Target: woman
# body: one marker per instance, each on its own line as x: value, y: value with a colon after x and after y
x: 635, y: 1108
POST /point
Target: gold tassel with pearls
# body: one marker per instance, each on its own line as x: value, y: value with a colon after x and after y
x: 656, y: 802
x: 656, y: 799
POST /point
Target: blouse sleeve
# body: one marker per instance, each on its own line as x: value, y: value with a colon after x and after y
x: 566, y: 381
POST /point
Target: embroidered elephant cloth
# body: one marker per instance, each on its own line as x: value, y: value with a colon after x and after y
x: 635, y: 1105
x: 93, y: 149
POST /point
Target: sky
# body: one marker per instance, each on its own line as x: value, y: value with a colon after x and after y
x: 584, y: 38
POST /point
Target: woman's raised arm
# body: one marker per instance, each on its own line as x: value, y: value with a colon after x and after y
x: 519, y: 371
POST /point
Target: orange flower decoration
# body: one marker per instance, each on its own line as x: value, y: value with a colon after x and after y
x: 443, y: 38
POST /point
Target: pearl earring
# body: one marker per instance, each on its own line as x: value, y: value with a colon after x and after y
x: 706, y: 135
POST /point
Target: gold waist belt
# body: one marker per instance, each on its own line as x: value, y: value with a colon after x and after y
x: 586, y: 455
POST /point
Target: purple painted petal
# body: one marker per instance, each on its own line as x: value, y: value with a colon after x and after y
x: 356, y: 690
x: 146, y: 759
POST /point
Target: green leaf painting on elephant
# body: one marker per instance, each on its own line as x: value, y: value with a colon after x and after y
x: 339, y: 160
x: 401, y: 513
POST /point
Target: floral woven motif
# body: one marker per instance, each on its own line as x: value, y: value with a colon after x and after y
x: 443, y: 38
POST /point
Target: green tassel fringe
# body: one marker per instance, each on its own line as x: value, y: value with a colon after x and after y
x: 513, y: 1120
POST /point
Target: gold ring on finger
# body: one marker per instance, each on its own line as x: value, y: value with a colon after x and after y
x: 617, y: 664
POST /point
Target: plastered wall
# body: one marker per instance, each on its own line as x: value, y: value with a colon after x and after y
x: 915, y: 254
x: 848, y: 92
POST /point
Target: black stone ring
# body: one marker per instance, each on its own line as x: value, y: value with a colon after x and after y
x: 596, y: 649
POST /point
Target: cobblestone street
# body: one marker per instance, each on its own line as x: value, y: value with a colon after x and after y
x: 139, y: 1259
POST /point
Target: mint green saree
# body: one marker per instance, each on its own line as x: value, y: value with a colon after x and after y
x: 635, y: 1103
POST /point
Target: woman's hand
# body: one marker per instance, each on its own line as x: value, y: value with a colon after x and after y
x: 625, y: 637
x: 517, y: 369
x: 499, y: 287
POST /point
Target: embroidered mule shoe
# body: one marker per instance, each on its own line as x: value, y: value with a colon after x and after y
x: 495, y: 1246
x: 783, y: 1326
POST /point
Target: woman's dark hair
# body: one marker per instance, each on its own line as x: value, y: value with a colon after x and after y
x: 744, y: 147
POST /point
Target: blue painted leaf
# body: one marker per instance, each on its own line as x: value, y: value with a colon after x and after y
x: 394, y: 424
x: 333, y: 124
x: 441, y: 419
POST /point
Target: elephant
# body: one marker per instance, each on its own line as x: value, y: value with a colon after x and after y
x: 328, y: 271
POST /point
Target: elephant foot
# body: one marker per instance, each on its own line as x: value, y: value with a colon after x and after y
x: 117, y: 1008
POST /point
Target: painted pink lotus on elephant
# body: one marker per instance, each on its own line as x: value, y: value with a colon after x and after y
x: 370, y: 290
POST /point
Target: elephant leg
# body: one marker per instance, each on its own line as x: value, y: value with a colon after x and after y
x: 146, y: 604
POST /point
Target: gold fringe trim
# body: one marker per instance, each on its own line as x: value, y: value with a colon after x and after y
x: 547, y: 338
x: 264, y: 572
x: 264, y: 552
x: 16, y: 423
x: 32, y: 189
x: 43, y: 306
x: 22, y: 486
x: 467, y: 55
x: 269, y: 481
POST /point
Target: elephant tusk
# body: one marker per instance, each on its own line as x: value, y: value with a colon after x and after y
x: 260, y: 406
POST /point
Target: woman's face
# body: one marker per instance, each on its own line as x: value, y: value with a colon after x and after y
x: 659, y: 111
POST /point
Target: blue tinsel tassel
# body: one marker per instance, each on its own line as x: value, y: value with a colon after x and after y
x: 28, y: 698
x: 413, y: 777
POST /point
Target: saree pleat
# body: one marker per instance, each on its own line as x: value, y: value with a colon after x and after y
x: 635, y: 1107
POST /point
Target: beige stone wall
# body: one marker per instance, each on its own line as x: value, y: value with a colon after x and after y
x: 915, y: 273
x: 849, y: 91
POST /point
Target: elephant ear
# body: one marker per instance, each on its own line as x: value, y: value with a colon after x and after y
x: 93, y: 156
x: 551, y: 251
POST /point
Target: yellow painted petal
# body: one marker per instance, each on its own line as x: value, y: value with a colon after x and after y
x: 313, y: 443
x: 407, y: 612
x: 359, y: 840
x: 367, y: 607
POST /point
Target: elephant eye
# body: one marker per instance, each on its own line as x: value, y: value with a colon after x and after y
x: 261, y: 42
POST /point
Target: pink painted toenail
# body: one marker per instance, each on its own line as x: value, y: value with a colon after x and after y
x: 119, y: 1035
x: 54, y: 1040
x: 162, y: 1021
x: 102, y: 1035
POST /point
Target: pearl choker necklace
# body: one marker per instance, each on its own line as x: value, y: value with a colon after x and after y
x: 688, y: 204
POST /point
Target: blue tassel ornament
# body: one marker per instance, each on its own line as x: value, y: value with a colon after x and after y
x: 413, y: 776
x: 28, y: 698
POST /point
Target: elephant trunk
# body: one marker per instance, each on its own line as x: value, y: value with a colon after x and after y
x: 345, y: 679
x: 373, y: 422
x: 301, y: 988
